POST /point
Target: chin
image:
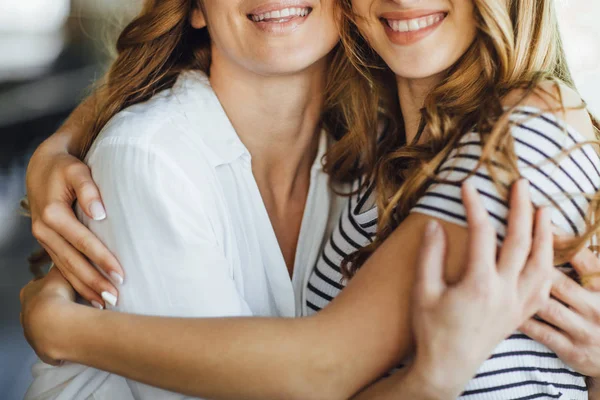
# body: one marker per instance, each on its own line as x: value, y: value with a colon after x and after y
x: 287, y: 64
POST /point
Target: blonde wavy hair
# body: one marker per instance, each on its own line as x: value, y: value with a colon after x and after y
x: 517, y: 47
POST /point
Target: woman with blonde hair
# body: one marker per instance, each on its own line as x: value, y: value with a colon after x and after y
x: 471, y: 67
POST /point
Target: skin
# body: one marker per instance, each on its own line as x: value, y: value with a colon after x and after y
x: 375, y: 323
x: 502, y: 293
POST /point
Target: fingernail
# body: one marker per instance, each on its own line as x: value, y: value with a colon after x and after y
x: 431, y: 228
x: 97, y: 305
x: 109, y: 298
x: 97, y: 211
x: 118, y: 279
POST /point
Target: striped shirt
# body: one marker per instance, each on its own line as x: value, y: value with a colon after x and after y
x: 519, y: 368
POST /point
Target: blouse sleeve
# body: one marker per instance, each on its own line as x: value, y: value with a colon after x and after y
x: 558, y: 179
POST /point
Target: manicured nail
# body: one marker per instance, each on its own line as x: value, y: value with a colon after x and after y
x: 118, y: 279
x: 97, y: 305
x: 109, y: 298
x: 431, y: 228
x: 97, y: 211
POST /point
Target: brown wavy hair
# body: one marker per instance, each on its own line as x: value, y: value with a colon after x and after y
x: 517, y: 47
x: 160, y: 43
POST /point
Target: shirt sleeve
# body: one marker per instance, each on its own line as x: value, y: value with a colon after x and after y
x: 559, y: 172
x: 160, y: 230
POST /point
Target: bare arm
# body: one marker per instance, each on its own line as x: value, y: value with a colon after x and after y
x: 303, y: 358
x: 364, y: 332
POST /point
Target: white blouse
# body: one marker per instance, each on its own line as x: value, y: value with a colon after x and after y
x: 187, y: 223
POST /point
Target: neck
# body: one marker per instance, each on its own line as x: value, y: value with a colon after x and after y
x: 276, y: 117
x: 412, y: 94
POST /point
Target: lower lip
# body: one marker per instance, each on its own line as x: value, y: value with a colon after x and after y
x: 281, y: 27
x: 408, y: 38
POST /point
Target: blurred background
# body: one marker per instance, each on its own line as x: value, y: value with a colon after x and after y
x: 51, y: 51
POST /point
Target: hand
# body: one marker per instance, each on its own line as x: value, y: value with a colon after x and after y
x: 457, y: 327
x: 574, y: 333
x: 42, y: 300
x: 55, y: 179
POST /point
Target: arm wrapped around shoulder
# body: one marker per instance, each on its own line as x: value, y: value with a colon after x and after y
x: 560, y: 163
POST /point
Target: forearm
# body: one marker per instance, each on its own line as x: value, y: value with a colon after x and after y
x: 236, y: 358
x: 412, y: 383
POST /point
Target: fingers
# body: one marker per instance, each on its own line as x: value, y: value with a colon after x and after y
x: 573, y: 295
x: 517, y: 243
x: 564, y: 319
x: 79, y: 177
x: 430, y: 269
x: 86, y: 279
x: 62, y: 220
x: 548, y: 336
x: 587, y: 265
x: 482, y: 235
x: 535, y: 279
x: 84, y: 291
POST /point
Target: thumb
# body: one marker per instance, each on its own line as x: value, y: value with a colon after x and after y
x: 86, y: 191
x: 430, y: 284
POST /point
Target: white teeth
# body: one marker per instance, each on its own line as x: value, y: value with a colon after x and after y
x: 284, y: 13
x: 415, y: 24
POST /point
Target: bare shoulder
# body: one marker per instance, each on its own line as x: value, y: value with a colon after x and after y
x: 560, y: 100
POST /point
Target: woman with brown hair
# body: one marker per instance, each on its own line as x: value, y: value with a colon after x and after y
x: 307, y: 358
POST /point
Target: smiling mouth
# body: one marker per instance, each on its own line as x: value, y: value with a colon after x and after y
x: 281, y: 16
x: 415, y: 24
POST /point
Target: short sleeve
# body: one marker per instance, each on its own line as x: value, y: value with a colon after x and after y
x: 560, y: 173
x: 160, y: 229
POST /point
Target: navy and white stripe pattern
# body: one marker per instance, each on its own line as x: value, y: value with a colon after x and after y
x: 519, y: 368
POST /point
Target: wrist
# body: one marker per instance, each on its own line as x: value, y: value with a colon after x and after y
x: 60, y: 322
x: 435, y: 382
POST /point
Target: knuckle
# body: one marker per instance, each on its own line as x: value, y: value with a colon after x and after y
x: 37, y: 229
x: 540, y: 299
x: 75, y: 168
x: 51, y: 213
x: 87, y: 189
x: 578, y: 357
x: 561, y: 287
x: 97, y: 283
x: 553, y: 311
x: 546, y: 338
x: 69, y: 264
x: 584, y: 336
x: 82, y: 243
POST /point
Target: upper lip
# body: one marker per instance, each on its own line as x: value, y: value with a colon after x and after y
x: 410, y: 14
x: 279, y: 5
